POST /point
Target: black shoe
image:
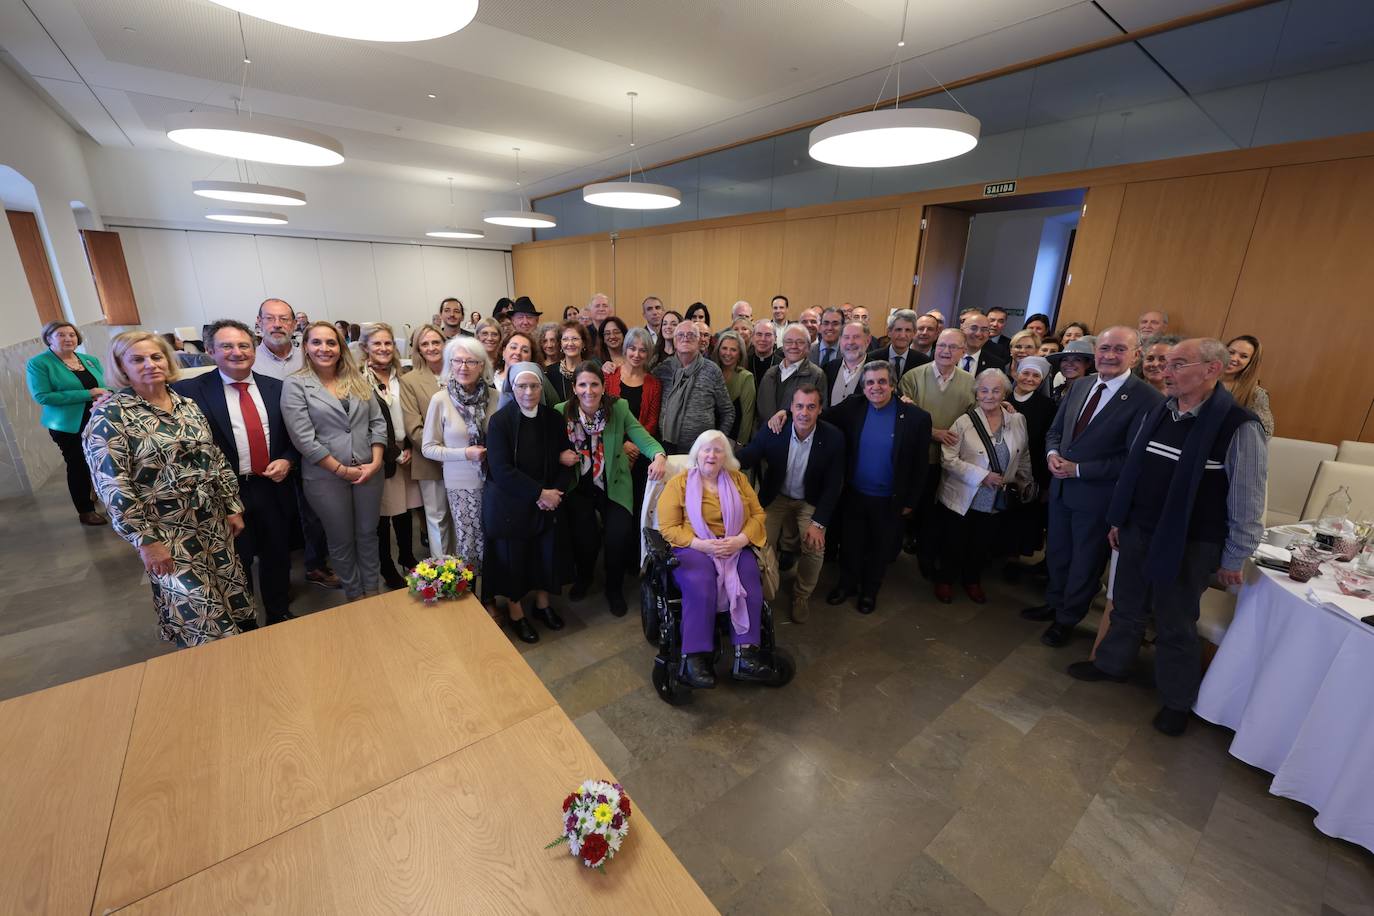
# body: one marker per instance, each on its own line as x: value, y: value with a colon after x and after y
x: 1087, y: 671
x: 407, y: 564
x: 578, y: 591
x: 1039, y: 612
x: 749, y: 667
x: 280, y: 618
x: 393, y: 579
x: 926, y: 567
x: 696, y: 672
x: 1057, y: 635
x: 549, y: 618
x: 617, y: 602
x: 838, y: 595
x: 786, y: 560
x: 1171, y: 722
x: 248, y: 625
x: 524, y: 630
x: 868, y: 605
x: 909, y: 546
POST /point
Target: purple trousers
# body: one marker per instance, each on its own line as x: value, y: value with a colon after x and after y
x: 696, y: 579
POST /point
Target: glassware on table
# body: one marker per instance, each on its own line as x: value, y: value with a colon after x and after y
x: 1305, y: 563
x: 1334, y: 521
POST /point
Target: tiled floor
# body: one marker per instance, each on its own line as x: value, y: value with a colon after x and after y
x: 927, y: 759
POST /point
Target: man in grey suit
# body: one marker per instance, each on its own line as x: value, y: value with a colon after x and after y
x: 1087, y: 446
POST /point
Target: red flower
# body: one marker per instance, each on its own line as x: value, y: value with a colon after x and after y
x: 428, y: 592
x: 568, y: 802
x: 594, y: 849
x: 617, y: 822
x: 625, y: 805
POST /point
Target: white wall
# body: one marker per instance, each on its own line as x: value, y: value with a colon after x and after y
x: 186, y: 278
x: 1001, y: 259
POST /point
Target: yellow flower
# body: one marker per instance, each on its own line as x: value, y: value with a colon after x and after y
x: 467, y: 574
x: 603, y: 814
x: 424, y: 569
x: 446, y: 576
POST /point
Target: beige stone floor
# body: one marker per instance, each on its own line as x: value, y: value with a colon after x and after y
x: 927, y: 759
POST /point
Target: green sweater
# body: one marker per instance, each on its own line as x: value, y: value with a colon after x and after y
x: 922, y: 386
x: 621, y: 424
x: 57, y: 389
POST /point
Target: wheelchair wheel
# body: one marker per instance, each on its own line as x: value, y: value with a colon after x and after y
x: 670, y: 689
x: 785, y: 667
x: 648, y: 610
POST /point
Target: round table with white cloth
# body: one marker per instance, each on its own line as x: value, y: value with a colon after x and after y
x: 1294, y: 679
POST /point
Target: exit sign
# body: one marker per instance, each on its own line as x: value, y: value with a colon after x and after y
x: 998, y: 189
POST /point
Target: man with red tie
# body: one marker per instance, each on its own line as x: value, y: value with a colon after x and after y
x: 244, y: 412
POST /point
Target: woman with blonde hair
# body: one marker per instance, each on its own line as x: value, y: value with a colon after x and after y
x: 400, y: 492
x: 418, y: 387
x: 740, y: 384
x: 1241, y: 378
x: 336, y: 424
x: 1023, y: 344
x: 170, y: 493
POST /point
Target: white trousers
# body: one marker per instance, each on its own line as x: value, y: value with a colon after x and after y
x: 438, y: 523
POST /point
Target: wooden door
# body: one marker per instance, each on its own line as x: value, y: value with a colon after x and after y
x: 111, y: 274
x: 940, y: 264
x: 28, y: 240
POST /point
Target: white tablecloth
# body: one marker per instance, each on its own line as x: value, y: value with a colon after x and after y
x: 1295, y: 681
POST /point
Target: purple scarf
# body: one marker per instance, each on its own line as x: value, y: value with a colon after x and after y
x: 729, y: 589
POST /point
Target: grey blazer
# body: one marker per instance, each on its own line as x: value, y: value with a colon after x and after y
x: 320, y: 427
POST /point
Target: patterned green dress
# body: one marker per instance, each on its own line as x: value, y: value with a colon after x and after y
x: 164, y: 480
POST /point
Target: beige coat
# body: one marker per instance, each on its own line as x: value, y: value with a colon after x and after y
x: 966, y: 464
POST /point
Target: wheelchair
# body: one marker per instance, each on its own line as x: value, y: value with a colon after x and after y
x: 660, y: 609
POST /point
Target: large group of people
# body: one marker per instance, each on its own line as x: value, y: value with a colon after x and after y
x: 528, y: 447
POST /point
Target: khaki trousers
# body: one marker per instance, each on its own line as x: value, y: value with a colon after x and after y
x: 786, y: 517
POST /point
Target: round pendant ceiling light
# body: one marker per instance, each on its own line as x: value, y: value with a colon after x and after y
x: 892, y: 137
x: 449, y: 232
x: 248, y: 217
x: 238, y: 137
x: 246, y: 192
x: 629, y: 195
x: 522, y: 218
x: 367, y: 20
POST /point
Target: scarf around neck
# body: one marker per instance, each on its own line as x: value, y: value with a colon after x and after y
x: 586, y: 435
x: 472, y: 407
x: 729, y: 589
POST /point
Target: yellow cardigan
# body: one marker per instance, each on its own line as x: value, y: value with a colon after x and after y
x: 676, y: 527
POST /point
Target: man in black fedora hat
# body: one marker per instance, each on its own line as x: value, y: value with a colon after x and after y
x: 525, y: 316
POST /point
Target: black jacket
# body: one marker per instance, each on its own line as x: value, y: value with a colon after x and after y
x: 912, y: 359
x: 910, y: 444
x: 824, y: 467
x: 509, y: 499
x: 207, y: 390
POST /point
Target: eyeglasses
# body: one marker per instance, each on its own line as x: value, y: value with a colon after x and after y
x: 1176, y: 365
x: 978, y: 329
x: 949, y: 346
x: 465, y: 363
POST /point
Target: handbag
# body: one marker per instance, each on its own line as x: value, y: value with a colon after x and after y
x: 392, y: 450
x: 767, y: 557
x: 1000, y: 500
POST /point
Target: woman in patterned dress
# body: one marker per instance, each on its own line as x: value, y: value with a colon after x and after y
x: 170, y: 493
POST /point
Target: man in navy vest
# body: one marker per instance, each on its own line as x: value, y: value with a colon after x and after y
x: 1086, y: 447
x: 1189, y: 504
x: 244, y: 412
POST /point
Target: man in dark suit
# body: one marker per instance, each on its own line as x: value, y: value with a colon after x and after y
x: 801, y: 485
x: 244, y: 412
x: 897, y: 352
x: 827, y: 346
x: 997, y: 341
x: 977, y: 354
x: 887, y: 443
x: 1087, y: 446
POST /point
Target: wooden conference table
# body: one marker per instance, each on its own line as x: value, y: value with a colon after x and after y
x: 383, y: 756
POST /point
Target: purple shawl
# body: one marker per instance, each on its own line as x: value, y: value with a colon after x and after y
x: 729, y: 589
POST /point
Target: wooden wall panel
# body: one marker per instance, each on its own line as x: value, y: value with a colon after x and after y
x: 806, y: 262
x: 760, y: 266
x: 1179, y: 247
x: 1092, y: 251
x: 861, y: 260
x: 33, y: 256
x: 111, y: 274
x: 720, y: 276
x: 1305, y: 292
x: 534, y: 276
x: 906, y: 249
x: 940, y: 266
x: 685, y: 286
x: 563, y: 275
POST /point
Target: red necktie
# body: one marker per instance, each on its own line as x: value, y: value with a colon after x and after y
x: 1089, y: 409
x: 257, y: 439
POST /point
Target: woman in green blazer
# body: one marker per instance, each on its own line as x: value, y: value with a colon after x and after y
x: 598, y: 425
x: 65, y: 382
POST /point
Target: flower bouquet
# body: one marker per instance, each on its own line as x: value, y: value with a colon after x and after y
x: 440, y: 577
x: 596, y: 818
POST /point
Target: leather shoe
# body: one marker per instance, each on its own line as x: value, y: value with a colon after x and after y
x: 549, y: 618
x: 1057, y: 635
x: 280, y: 618
x: 578, y: 591
x: 976, y: 594
x: 524, y: 630
x: 324, y: 578
x: 1087, y: 671
x: 93, y: 518
x: 696, y: 672
x: 838, y: 595
x: 944, y: 592
x: 1039, y: 612
x: 868, y: 605
x: 616, y: 600
x: 909, y: 546
x: 749, y: 667
x: 393, y: 579
x: 1172, y: 722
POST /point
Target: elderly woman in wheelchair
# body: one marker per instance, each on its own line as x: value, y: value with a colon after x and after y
x: 711, y: 517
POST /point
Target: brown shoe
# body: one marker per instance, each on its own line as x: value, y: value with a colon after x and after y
x: 324, y: 578
x: 92, y: 518
x: 976, y: 593
x: 944, y: 592
x: 801, y: 609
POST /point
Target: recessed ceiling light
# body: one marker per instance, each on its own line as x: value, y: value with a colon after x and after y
x: 250, y: 217
x: 367, y: 20
x: 432, y: 95
x: 238, y: 137
x: 244, y: 192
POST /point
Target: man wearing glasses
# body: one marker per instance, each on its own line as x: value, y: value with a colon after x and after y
x: 977, y: 329
x: 1086, y: 446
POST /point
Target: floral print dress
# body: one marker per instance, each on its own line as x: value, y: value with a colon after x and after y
x: 164, y: 480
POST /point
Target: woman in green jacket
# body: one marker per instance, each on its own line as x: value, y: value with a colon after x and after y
x: 598, y: 425
x: 65, y: 383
